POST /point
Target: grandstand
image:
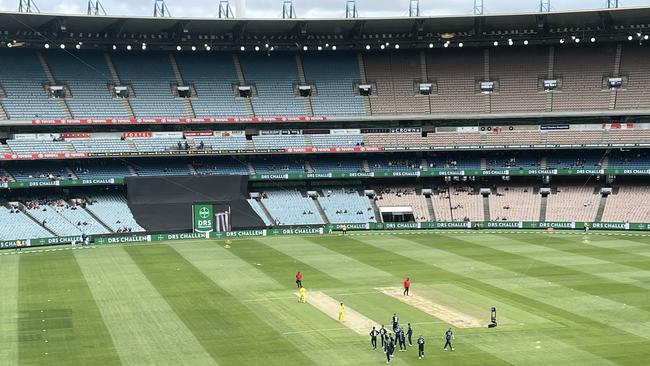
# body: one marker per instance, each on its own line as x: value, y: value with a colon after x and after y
x: 497, y: 130
x: 212, y: 158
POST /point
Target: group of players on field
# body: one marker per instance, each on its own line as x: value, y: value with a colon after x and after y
x: 399, y: 338
x: 388, y: 340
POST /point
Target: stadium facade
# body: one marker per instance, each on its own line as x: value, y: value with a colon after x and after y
x: 531, y: 120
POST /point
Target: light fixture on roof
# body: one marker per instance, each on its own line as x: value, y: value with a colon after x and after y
x: 430, y: 45
x: 128, y: 47
x: 305, y: 48
x: 460, y: 44
x: 638, y: 34
x: 446, y: 45
x: 525, y: 42
x: 193, y: 48
x: 320, y: 48
x: 327, y: 45
x: 573, y: 37
x: 77, y: 46
x: 266, y: 45
x: 257, y: 48
x: 333, y: 48
x: 510, y: 42
x: 397, y: 47
x: 62, y: 46
x: 577, y: 40
x: 382, y: 46
x: 629, y: 38
x: 593, y: 39
x: 387, y: 44
x: 47, y: 45
x: 178, y: 48
x: 208, y: 48
x: 242, y: 48
x: 562, y: 40
x: 367, y: 46
x: 496, y: 43
x: 114, y: 47
x: 144, y: 46
x: 9, y: 45
x: 646, y: 37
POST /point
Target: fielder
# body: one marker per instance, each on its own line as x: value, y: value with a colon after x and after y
x: 302, y: 297
x: 421, y: 347
x: 382, y: 333
x: 395, y: 320
x: 402, y: 340
x: 342, y: 312
x: 390, y: 348
x: 373, y: 338
x: 449, y: 335
x: 409, y: 334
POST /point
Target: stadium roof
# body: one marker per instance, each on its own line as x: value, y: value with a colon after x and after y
x: 611, y: 24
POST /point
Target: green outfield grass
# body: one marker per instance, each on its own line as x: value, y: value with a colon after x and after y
x: 561, y: 300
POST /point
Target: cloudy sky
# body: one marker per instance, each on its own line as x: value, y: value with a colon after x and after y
x: 311, y: 8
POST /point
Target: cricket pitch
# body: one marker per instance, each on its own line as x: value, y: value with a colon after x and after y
x: 455, y: 318
x: 353, y: 320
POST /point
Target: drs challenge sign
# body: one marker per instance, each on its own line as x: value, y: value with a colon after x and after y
x: 203, y: 218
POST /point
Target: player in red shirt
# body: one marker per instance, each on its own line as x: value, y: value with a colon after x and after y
x: 299, y: 279
x: 407, y: 286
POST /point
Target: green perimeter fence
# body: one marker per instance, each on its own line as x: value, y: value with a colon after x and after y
x: 328, y: 229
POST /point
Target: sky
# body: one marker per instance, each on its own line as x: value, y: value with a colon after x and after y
x: 311, y: 8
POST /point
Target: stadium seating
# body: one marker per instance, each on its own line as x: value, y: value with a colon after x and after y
x: 583, y: 90
x: 396, y: 76
x: 255, y: 204
x: 291, y: 208
x: 49, y: 212
x: 102, y: 169
x: 102, y: 145
x: 87, y: 76
x: 232, y: 166
x: 518, y: 74
x: 160, y: 168
x: 279, y: 141
x: 456, y: 72
x: 334, y: 76
x: 403, y: 164
x: 332, y: 164
x: 40, y: 171
x: 278, y: 165
x: 634, y: 65
x: 346, y: 206
x: 573, y: 203
x: 404, y: 197
x: 222, y: 142
x: 515, y: 203
x: 213, y: 77
x: 114, y: 212
x: 39, y: 146
x: 343, y: 140
x: 466, y: 204
x: 274, y: 77
x: 23, y: 79
x: 629, y: 204
x: 16, y: 225
x: 150, y: 74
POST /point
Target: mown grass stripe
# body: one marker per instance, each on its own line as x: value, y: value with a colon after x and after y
x: 339, y: 266
x: 9, y: 311
x: 145, y: 330
x: 228, y: 330
x: 300, y: 324
x: 530, y: 266
x: 401, y: 267
x: 280, y: 266
x: 59, y: 322
x: 581, y: 330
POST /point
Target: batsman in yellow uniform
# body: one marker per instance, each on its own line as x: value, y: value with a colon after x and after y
x: 303, y: 293
x: 341, y: 312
